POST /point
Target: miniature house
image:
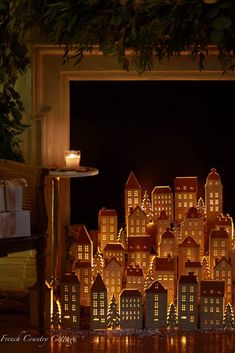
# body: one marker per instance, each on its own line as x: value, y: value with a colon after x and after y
x: 98, y: 307
x: 165, y: 271
x: 193, y: 226
x: 135, y: 278
x: 162, y: 200
x: 218, y: 246
x: 211, y: 304
x: 185, y: 190
x: 156, y: 306
x: 70, y: 301
x: 167, y: 245
x: 107, y: 223
x: 187, y: 302
x: 223, y: 272
x: 84, y: 272
x: 139, y: 249
x: 115, y: 250
x: 187, y: 250
x: 132, y: 195
x: 137, y: 222
x: 131, y: 311
x: 112, y: 276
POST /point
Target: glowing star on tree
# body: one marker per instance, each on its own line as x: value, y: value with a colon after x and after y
x: 146, y: 206
x: 113, y: 319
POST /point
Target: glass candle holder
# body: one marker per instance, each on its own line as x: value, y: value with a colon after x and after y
x: 72, y: 159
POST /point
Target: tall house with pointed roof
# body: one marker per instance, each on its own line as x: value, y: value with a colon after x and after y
x: 131, y: 311
x: 187, y: 302
x: 213, y: 195
x: 167, y: 244
x: 137, y: 222
x: 223, y: 272
x: 133, y: 195
x: 193, y: 226
x: 187, y: 250
x: 185, y: 190
x: 196, y: 268
x: 162, y: 200
x: 165, y: 272
x: 213, y: 200
x: 99, y: 304
x: 82, y: 245
x: 108, y: 227
x: 112, y: 276
x: 211, y: 305
x: 156, y: 306
x: 218, y: 246
x: 70, y: 301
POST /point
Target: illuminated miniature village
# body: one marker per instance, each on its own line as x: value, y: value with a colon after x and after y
x: 172, y: 266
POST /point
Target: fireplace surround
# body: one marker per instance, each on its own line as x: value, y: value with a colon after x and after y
x: 50, y: 86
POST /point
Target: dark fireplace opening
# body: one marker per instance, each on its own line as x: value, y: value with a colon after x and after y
x: 157, y: 129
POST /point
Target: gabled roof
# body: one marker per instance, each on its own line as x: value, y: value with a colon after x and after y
x: 114, y: 260
x: 212, y: 288
x: 161, y: 190
x: 80, y: 234
x: 98, y: 285
x: 219, y: 233
x: 189, y: 242
x: 190, y: 278
x: 213, y: 174
x: 132, y: 182
x: 223, y: 259
x: 132, y: 293
x: 137, y: 210
x: 156, y: 287
x: 114, y: 247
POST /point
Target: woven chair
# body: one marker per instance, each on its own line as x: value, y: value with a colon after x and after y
x: 33, y: 200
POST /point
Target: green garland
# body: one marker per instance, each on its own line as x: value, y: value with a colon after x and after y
x: 149, y: 29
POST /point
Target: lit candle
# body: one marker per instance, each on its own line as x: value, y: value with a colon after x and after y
x: 72, y: 159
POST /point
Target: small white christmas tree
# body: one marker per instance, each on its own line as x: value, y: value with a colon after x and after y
x: 205, y: 269
x: 148, y: 280
x: 122, y: 237
x: 228, y: 317
x: 201, y: 207
x: 98, y: 264
x: 172, y: 316
x: 147, y: 207
x: 113, y: 319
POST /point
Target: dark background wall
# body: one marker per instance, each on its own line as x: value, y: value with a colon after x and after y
x: 157, y: 129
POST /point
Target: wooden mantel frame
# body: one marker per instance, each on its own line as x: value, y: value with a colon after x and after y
x: 51, y: 107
